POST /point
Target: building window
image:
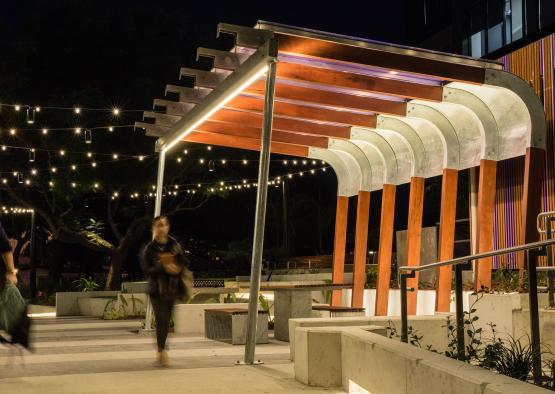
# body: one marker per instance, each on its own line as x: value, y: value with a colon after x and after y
x: 547, y: 12
x: 495, y: 24
x: 516, y: 13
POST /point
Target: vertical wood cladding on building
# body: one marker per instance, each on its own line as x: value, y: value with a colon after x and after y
x: 534, y: 63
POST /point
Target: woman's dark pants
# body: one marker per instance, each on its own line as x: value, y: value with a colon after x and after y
x: 163, y: 312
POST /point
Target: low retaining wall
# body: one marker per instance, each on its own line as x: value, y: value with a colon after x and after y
x: 363, y: 361
x: 189, y: 318
x: 432, y: 328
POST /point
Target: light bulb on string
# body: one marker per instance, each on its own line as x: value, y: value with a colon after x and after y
x: 141, y: 158
x: 115, y: 156
x: 245, y: 162
x: 31, y: 155
x: 74, y: 167
x: 62, y: 152
x: 17, y: 107
x: 93, y: 164
x: 30, y: 117
x: 51, y: 184
x: 73, y: 184
x: 77, y: 110
x: 34, y: 171
x: 27, y: 182
x: 4, y: 147
x: 110, y: 129
x: 185, y: 151
x: 201, y: 161
x: 115, y: 111
x: 224, y: 161
x: 54, y: 169
x: 89, y: 154
x: 77, y: 130
x: 179, y: 159
x: 88, y: 136
x: 208, y: 148
x: 294, y: 162
x: 12, y: 131
x: 4, y: 181
x: 37, y: 109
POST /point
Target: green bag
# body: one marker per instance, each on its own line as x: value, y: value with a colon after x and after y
x: 12, y: 306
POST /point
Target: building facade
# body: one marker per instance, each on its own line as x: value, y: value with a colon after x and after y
x: 519, y: 34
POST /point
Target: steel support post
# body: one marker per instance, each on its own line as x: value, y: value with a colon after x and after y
x: 157, y: 211
x: 259, y: 221
x: 531, y: 258
x: 459, y: 312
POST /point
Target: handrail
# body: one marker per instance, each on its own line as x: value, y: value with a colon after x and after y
x: 543, y: 216
x: 477, y: 256
x: 533, y: 250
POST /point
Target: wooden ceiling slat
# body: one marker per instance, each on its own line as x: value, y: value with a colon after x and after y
x: 332, y: 51
x: 334, y: 99
x: 381, y: 85
x: 245, y: 143
x: 255, y: 104
x: 238, y: 130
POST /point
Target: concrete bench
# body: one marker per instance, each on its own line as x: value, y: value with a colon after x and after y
x: 360, y: 360
x: 230, y: 324
x: 189, y: 318
x: 336, y: 311
x: 432, y: 328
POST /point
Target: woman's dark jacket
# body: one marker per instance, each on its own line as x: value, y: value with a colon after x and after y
x: 154, y: 271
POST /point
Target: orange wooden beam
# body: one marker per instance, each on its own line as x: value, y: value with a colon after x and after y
x: 339, y: 244
x: 485, y: 218
x: 245, y: 143
x: 534, y: 167
x: 361, y: 248
x: 366, y: 83
x: 281, y: 124
x: 310, y: 96
x: 307, y: 47
x: 414, y: 236
x: 256, y: 104
x: 385, y: 249
x: 447, y: 220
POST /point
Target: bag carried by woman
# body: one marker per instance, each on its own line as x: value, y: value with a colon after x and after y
x: 13, y: 316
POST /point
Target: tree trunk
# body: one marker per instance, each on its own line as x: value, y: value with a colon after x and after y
x: 113, y: 281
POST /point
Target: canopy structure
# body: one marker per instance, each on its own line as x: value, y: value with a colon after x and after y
x: 381, y: 115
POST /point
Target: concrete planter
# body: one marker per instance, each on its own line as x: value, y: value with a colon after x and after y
x: 140, y: 303
x: 93, y: 306
x: 67, y: 301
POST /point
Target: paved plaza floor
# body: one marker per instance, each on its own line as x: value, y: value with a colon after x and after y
x: 86, y: 355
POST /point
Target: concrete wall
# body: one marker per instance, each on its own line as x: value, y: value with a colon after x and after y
x: 426, y: 301
x: 372, y: 363
x: 510, y: 313
x: 432, y: 328
x: 189, y: 318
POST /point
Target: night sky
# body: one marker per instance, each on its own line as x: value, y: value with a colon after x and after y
x: 123, y: 53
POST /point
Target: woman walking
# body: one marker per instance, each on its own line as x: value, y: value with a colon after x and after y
x: 164, y: 264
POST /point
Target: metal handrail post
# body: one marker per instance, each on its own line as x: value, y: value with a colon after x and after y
x: 459, y: 312
x: 261, y: 198
x: 534, y: 315
x: 404, y: 311
x: 550, y: 276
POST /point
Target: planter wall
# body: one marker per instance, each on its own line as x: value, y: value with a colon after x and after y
x: 67, y: 304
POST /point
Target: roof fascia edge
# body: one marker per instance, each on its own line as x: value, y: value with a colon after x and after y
x: 224, y: 92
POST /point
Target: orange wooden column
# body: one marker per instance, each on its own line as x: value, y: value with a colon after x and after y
x: 447, y: 218
x: 485, y: 218
x: 414, y: 236
x: 534, y: 165
x: 385, y: 249
x: 339, y: 243
x: 361, y: 248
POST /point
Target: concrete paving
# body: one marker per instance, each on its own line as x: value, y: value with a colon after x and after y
x: 87, y: 355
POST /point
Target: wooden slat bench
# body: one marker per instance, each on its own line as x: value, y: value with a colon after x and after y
x: 230, y: 325
x: 337, y: 311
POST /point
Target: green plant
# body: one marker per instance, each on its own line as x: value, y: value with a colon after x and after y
x: 371, y: 276
x: 473, y: 334
x: 265, y: 306
x: 326, y: 293
x: 514, y: 358
x: 84, y: 284
x: 506, y: 280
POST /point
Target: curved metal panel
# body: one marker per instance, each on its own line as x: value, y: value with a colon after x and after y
x: 386, y: 153
x: 403, y: 154
x: 346, y: 169
x: 345, y: 146
x: 377, y: 163
x: 525, y: 92
x: 405, y: 130
x: 500, y: 110
x: 463, y: 130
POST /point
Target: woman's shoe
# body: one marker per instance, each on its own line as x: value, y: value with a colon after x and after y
x: 163, y: 359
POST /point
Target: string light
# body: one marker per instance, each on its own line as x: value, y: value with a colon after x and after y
x: 110, y: 129
x: 115, y: 111
x: 44, y: 131
x: 54, y: 169
x: 115, y: 156
x: 12, y: 131
x: 77, y: 110
x: 77, y: 130
x: 209, y: 148
x: 17, y: 107
x: 62, y: 152
x: 74, y: 167
x: 245, y: 162
x: 93, y: 164
x: 201, y: 161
